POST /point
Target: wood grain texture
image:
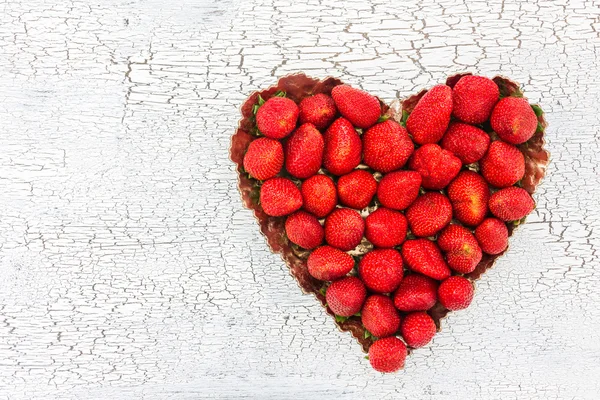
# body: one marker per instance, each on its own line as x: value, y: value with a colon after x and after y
x: 129, y: 268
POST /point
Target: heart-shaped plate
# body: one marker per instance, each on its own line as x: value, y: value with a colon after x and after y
x: 299, y: 86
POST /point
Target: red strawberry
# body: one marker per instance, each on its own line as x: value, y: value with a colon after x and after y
x: 356, y: 189
x: 492, y: 236
x: 514, y: 120
x: 319, y: 195
x: 437, y: 166
x: 424, y: 257
x: 462, y: 249
x: 416, y: 293
x: 379, y: 316
x: 327, y: 263
x: 474, y: 99
x: 346, y: 296
x: 429, y: 214
x: 503, y: 165
x: 277, y: 117
x: 386, y: 228
x: 319, y: 110
x: 342, y: 147
x: 304, y: 152
x: 455, y: 293
x: 359, y: 107
x: 397, y: 190
x: 511, y: 203
x: 469, y: 195
x: 381, y: 270
x: 387, y: 146
x: 417, y: 329
x: 467, y: 142
x: 264, y: 158
x: 344, y: 229
x: 279, y: 196
x: 430, y: 117
x: 387, y: 354
x: 304, y: 229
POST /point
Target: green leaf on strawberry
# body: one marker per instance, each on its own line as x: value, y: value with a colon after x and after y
x: 537, y: 110
x: 517, y: 93
x: 539, y: 128
x: 383, y: 118
x: 323, y: 290
x: 340, y: 319
x: 405, y: 115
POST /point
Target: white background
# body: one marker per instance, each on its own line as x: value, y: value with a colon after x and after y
x: 129, y: 268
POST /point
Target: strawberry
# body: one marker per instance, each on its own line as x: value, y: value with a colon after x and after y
x: 462, y: 249
x: 397, y: 190
x: 277, y: 117
x: 304, y: 229
x: 430, y: 117
x: 344, y: 229
x: 381, y: 270
x: 356, y: 189
x: 416, y: 293
x: 474, y: 98
x: 511, y: 203
x: 342, y: 147
x: 492, y: 236
x: 514, y: 120
x: 327, y: 263
x: 318, y: 110
x: 423, y: 256
x: 386, y: 228
x: 264, y: 158
x: 437, y: 166
x: 469, y: 195
x: 304, y: 152
x: 417, y: 329
x: 387, y: 146
x: 467, y: 142
x: 379, y: 316
x: 503, y: 165
x: 429, y: 214
x: 387, y: 354
x: 359, y: 107
x: 346, y: 296
x: 279, y: 196
x: 455, y: 293
x: 319, y: 195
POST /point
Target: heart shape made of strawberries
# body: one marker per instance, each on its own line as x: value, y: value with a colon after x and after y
x: 387, y: 214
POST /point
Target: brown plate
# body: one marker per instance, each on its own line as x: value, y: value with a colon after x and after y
x: 299, y: 86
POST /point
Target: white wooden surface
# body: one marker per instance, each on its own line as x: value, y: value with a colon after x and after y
x: 129, y: 268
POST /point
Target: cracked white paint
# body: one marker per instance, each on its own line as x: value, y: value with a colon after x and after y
x: 129, y: 268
